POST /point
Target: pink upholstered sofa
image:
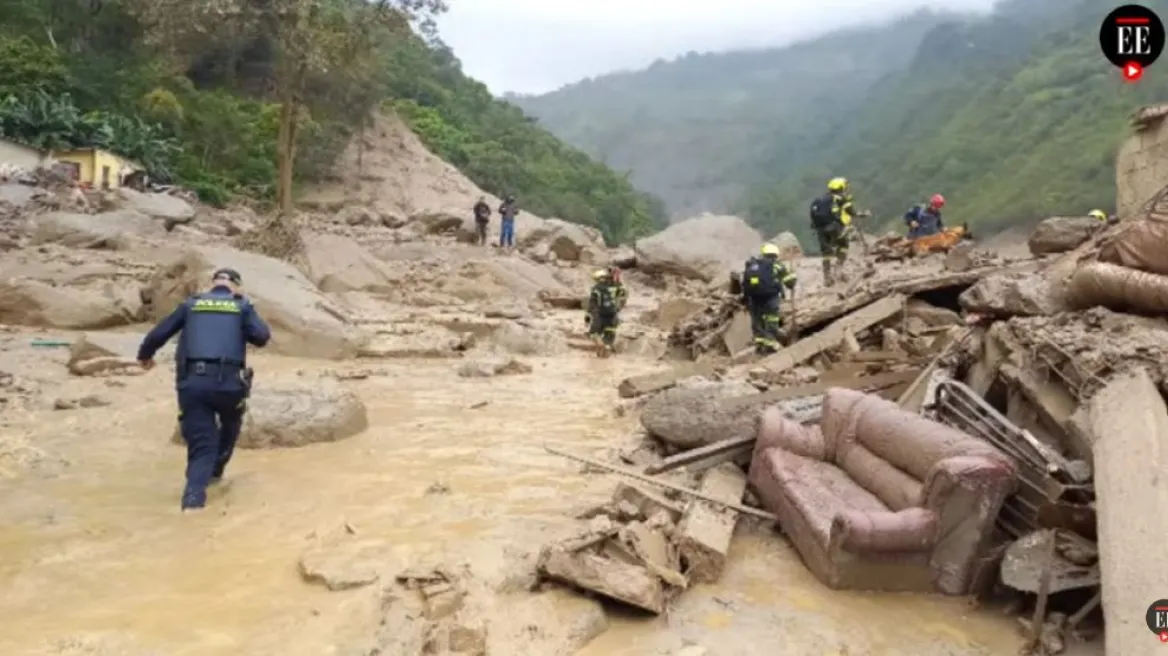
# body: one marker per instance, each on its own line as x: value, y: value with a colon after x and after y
x: 879, y: 498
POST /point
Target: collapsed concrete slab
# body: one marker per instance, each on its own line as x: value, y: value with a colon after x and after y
x: 703, y: 536
x: 1129, y: 426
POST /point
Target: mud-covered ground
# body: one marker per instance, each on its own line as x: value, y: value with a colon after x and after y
x: 95, y: 557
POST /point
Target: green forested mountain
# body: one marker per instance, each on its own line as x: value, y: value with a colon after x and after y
x: 693, y: 130
x: 1012, y: 116
x: 194, y: 91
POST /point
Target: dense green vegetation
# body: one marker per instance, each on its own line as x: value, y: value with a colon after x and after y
x: 1013, y: 117
x: 203, y: 108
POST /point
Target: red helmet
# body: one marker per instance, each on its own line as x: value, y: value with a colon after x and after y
x: 937, y: 201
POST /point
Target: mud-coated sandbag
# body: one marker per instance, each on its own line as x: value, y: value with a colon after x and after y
x: 1141, y: 245
x: 1118, y: 288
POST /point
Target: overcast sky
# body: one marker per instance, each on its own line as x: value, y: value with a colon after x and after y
x: 533, y: 46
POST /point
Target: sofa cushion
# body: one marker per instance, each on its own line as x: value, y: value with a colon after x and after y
x: 894, y: 487
x: 906, y: 440
x: 819, y: 490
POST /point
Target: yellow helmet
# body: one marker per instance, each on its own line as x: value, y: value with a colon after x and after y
x: 837, y: 184
x: 599, y: 274
x: 1097, y: 214
x: 770, y: 249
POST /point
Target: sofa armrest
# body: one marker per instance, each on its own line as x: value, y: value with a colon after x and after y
x: 856, y: 531
x: 995, y: 478
x: 776, y: 429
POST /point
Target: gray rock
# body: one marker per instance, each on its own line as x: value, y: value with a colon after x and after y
x: 695, y: 413
x: 1008, y: 295
x: 1062, y: 233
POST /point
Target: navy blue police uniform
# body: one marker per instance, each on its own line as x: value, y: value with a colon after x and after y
x: 213, y: 380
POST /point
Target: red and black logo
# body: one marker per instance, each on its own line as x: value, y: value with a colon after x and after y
x: 1132, y: 38
x: 1157, y: 618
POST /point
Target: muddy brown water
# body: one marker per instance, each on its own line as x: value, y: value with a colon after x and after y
x: 98, y: 560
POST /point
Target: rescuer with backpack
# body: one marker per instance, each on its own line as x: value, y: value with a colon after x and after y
x: 765, y: 280
x: 925, y: 220
x: 831, y: 218
x: 605, y: 301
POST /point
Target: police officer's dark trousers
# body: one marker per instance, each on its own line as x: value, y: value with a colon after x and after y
x: 764, y: 323
x: 211, y: 400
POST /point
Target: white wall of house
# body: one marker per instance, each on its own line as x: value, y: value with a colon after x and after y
x: 14, y: 154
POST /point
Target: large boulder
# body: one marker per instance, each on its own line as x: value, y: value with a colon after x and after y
x: 788, y: 244
x: 705, y: 247
x: 1062, y: 233
x: 57, y: 294
x: 1008, y: 295
x: 299, y: 413
x: 339, y: 264
x: 305, y: 322
x: 108, y: 230
x: 524, y: 340
x: 495, y: 278
x: 164, y: 207
x: 570, y: 242
x: 696, y: 412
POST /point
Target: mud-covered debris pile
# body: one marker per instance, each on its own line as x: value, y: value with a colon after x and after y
x: 722, y: 328
x: 643, y: 548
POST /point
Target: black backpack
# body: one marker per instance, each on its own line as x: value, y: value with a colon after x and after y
x: 606, y: 301
x: 758, y: 278
x: 822, y: 215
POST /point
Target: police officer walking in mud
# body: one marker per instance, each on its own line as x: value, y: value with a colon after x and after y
x: 212, y: 376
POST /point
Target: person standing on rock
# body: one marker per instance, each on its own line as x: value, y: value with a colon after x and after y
x: 765, y: 280
x: 507, y: 211
x: 212, y: 376
x: 831, y: 218
x: 482, y: 216
x: 607, y: 298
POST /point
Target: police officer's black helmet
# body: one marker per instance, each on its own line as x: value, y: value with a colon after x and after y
x: 230, y: 274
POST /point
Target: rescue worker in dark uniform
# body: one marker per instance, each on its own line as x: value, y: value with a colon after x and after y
x: 765, y: 280
x: 831, y: 218
x: 607, y: 298
x: 925, y: 220
x: 482, y: 217
x: 213, y: 380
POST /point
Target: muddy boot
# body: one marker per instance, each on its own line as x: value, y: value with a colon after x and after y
x: 828, y: 279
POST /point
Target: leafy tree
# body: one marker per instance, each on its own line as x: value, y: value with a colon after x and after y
x: 210, y: 111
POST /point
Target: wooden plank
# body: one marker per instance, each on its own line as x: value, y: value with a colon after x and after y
x: 831, y: 336
x: 1129, y: 421
x: 885, y: 356
x: 866, y: 383
x: 907, y: 399
x: 701, y: 453
x: 851, y: 346
x: 638, y: 476
x: 705, y: 531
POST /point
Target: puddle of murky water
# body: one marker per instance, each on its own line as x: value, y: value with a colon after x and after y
x: 102, y: 550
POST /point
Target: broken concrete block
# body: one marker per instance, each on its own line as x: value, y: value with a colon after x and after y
x: 646, y: 501
x: 631, y: 584
x: 1008, y: 295
x: 703, y: 536
x: 1129, y: 423
x: 650, y: 383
